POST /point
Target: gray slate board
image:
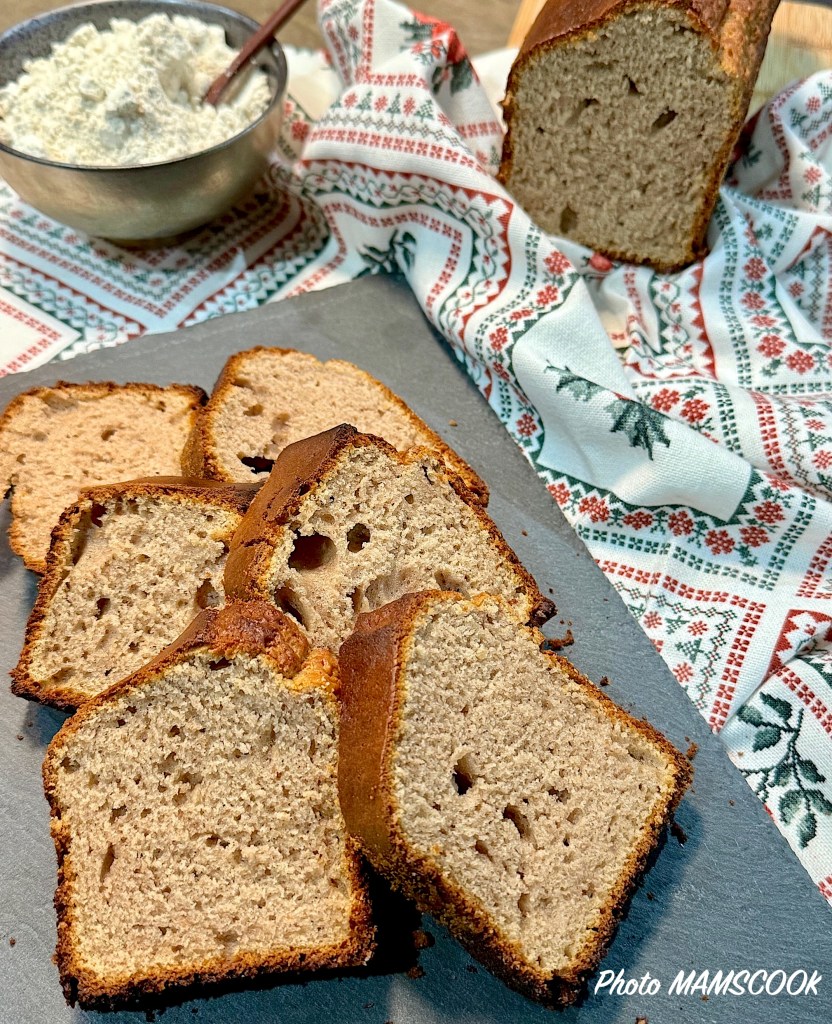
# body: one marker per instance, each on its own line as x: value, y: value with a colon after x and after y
x: 733, y: 896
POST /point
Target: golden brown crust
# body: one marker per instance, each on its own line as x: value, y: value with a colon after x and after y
x: 372, y: 662
x: 236, y: 628
x: 78, y: 517
x: 738, y: 31
x: 200, y: 456
x: 94, y: 389
x: 299, y: 470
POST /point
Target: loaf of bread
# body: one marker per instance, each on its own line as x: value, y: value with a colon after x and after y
x: 196, y: 820
x: 129, y: 567
x: 345, y: 523
x: 496, y: 786
x: 54, y: 441
x: 266, y: 398
x: 622, y: 116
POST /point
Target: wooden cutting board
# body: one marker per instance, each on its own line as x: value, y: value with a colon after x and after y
x: 800, y: 44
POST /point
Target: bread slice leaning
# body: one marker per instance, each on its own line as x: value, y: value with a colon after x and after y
x: 129, y: 567
x: 266, y: 398
x: 345, y: 523
x: 496, y: 786
x: 56, y: 440
x: 196, y: 820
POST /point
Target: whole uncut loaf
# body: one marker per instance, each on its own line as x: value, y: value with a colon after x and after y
x: 129, y: 567
x: 56, y: 440
x: 345, y: 523
x: 622, y: 116
x: 196, y: 820
x: 267, y: 398
x: 497, y: 787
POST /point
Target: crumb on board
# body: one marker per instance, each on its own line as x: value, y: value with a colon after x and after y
x: 452, y: 423
x: 524, y: 533
x: 678, y: 833
x: 604, y: 681
x: 691, y: 752
x: 651, y: 896
x: 20, y: 735
x: 730, y: 803
x: 416, y: 972
x: 423, y: 939
x: 12, y: 940
x: 471, y: 969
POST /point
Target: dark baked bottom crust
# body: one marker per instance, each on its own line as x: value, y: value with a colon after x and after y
x: 372, y: 661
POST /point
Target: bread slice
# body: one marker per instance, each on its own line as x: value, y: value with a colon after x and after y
x: 622, y: 116
x: 495, y: 785
x: 56, y: 440
x: 345, y: 523
x: 196, y: 820
x: 266, y: 398
x: 129, y: 567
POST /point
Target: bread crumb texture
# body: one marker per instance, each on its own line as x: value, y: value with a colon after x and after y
x: 517, y: 783
x: 200, y: 827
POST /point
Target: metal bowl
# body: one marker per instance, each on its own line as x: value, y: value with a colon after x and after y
x: 148, y: 203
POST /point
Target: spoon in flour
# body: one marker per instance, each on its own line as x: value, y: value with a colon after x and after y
x: 262, y: 37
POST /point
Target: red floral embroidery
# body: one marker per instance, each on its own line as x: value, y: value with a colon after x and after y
x: 638, y: 520
x: 380, y: 103
x: 771, y: 346
x: 498, y: 338
x: 526, y: 425
x: 560, y: 492
x: 680, y: 523
x: 665, y: 399
x: 720, y: 542
x: 753, y: 536
x: 409, y: 106
x: 823, y: 458
x: 698, y: 628
x: 752, y: 300
x: 795, y: 289
x: 595, y: 508
x: 755, y: 269
x: 521, y: 314
x: 652, y: 620
x: 502, y: 372
x: 557, y: 263
x: 695, y: 410
x: 546, y: 296
x: 815, y: 424
x: 763, y: 320
x: 683, y: 672
x: 800, y: 361
x: 769, y: 512
x: 300, y: 129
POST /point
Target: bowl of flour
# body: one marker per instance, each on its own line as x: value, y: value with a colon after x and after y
x: 102, y: 124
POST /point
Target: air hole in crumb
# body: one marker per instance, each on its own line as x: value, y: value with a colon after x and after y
x: 228, y: 939
x: 206, y: 595
x: 215, y: 666
x: 518, y: 819
x: 448, y: 581
x: 102, y: 605
x: 253, y: 410
x: 465, y: 774
x: 524, y: 904
x: 313, y: 747
x: 357, y: 537
x: 257, y: 463
x: 286, y: 601
x: 96, y: 513
x: 62, y: 676
x: 304, y: 489
x: 69, y: 765
x: 663, y: 120
x: 588, y: 890
x: 312, y: 552
x: 568, y: 220
x: 409, y: 499
x: 118, y: 812
x: 107, y: 434
x: 92, y: 780
x: 107, y: 862
x: 482, y: 849
x: 561, y: 795
x: 566, y: 840
x: 632, y: 88
x: 574, y: 815
x: 465, y: 710
x: 133, y: 646
x: 174, y: 730
x: 356, y: 596
x: 212, y: 840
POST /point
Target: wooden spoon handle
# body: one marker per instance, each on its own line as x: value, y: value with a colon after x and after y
x: 252, y: 46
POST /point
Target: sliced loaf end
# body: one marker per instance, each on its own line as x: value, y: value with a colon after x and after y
x: 56, y: 440
x: 112, y: 596
x: 345, y: 524
x: 268, y: 398
x: 498, y: 787
x: 196, y: 820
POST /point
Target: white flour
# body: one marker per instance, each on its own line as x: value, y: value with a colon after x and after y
x: 130, y: 95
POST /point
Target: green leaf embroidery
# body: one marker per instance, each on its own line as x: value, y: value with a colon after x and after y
x: 579, y: 387
x: 766, y: 737
x: 782, y: 774
x: 807, y: 831
x: 750, y: 715
x: 808, y: 769
x: 819, y: 801
x: 790, y: 804
x: 642, y: 425
x: 781, y: 708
